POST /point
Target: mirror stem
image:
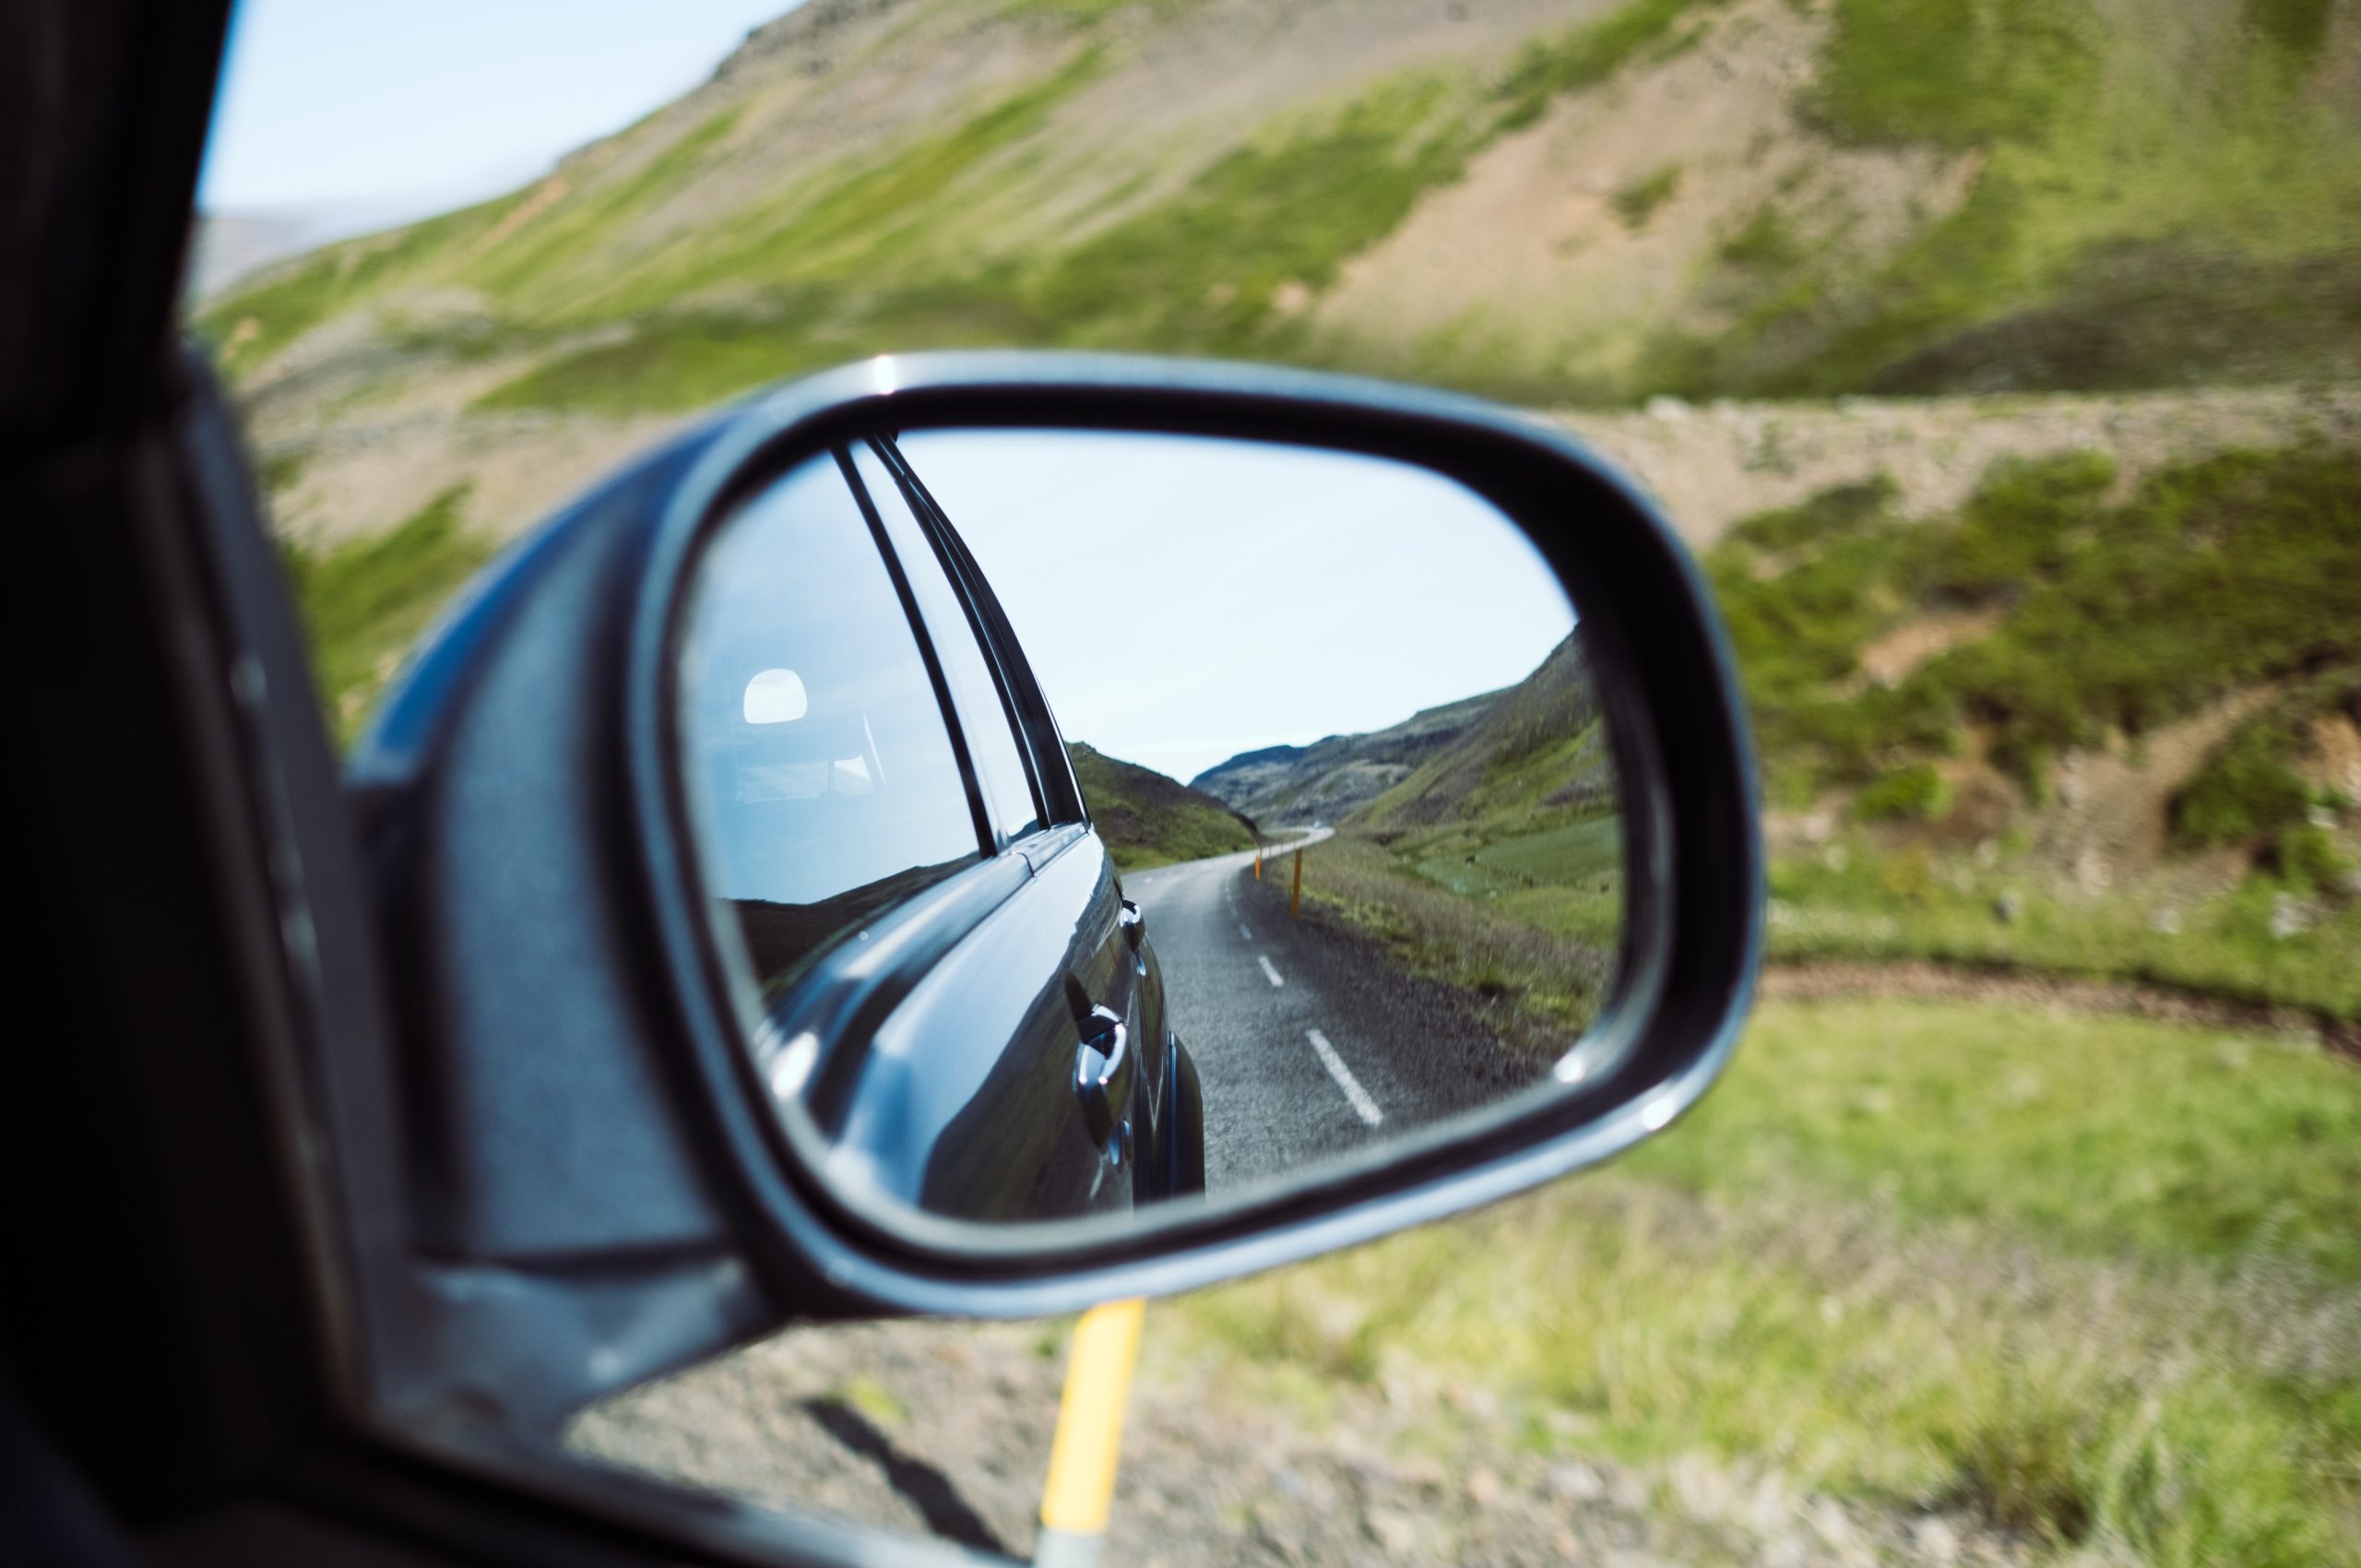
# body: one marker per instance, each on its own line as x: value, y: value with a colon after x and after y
x: 1081, y: 1488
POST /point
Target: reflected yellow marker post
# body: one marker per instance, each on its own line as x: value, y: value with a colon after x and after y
x: 1081, y: 1488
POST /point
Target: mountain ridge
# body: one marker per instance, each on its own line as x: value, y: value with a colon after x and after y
x: 1337, y: 774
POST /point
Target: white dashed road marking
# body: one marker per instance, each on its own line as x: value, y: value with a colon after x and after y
x: 1244, y: 932
x: 1363, y: 1106
x: 1268, y: 970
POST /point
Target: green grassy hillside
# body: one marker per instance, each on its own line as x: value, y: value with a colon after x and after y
x: 1149, y: 820
x: 2067, y: 730
x: 363, y: 605
x: 2109, y: 617
x: 1535, y: 757
x: 1955, y: 194
x: 1495, y: 863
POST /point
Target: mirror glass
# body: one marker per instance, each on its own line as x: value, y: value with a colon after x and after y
x: 1098, y: 820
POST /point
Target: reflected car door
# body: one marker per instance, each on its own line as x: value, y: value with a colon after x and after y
x: 1041, y: 1008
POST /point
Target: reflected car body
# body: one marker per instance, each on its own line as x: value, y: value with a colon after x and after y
x: 952, y: 995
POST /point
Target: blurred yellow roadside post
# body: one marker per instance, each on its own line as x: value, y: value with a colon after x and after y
x: 1077, y: 1497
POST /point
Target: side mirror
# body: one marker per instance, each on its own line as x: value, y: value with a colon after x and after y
x: 853, y: 965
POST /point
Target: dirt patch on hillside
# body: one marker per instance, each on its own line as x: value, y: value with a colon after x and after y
x: 1884, y: 660
x: 1920, y: 981
x: 361, y: 478
x: 1566, y: 269
x: 1711, y: 465
x: 2336, y: 755
x: 2112, y: 803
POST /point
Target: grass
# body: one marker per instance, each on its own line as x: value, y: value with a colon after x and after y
x: 1768, y: 243
x: 1585, y: 56
x: 1883, y: 901
x: 544, y: 248
x: 2128, y: 225
x: 1148, y: 820
x: 2250, y: 788
x: 2097, y: 1137
x: 249, y: 327
x: 1637, y: 202
x: 2131, y: 220
x: 363, y: 604
x: 1913, y: 792
x: 2088, y: 1278
x: 1212, y: 268
x: 1537, y: 963
x: 2297, y: 27
x: 882, y: 254
x: 2214, y: 576
x: 1954, y: 73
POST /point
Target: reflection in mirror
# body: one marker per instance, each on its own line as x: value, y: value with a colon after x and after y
x: 1326, y: 852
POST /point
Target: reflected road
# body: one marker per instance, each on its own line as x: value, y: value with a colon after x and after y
x: 1308, y: 1041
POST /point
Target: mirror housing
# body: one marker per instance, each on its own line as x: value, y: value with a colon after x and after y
x: 1664, y: 674
x: 536, y: 868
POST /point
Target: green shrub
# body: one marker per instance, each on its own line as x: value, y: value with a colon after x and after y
x: 2307, y: 858
x: 1838, y: 513
x: 1957, y: 73
x: 2015, y: 527
x: 1912, y: 793
x: 2243, y: 568
x: 2246, y: 790
x: 1768, y: 243
x: 2297, y: 27
x: 1637, y: 202
x: 1583, y: 58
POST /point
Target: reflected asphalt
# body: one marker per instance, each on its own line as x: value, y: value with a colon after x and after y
x: 1307, y: 1042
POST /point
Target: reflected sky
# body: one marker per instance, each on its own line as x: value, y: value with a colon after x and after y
x: 1184, y: 599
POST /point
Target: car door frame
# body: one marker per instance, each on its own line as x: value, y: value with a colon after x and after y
x: 850, y: 992
x: 1037, y: 729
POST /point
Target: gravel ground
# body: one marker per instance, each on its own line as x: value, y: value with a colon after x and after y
x: 944, y: 1426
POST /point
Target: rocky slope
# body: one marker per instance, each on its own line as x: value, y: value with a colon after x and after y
x: 1332, y: 778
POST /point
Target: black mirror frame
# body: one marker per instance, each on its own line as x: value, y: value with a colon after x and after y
x: 1695, y: 928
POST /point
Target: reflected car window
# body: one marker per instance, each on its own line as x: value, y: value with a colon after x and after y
x: 830, y: 790
x: 982, y: 716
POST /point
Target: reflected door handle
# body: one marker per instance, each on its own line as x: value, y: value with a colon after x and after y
x: 1102, y: 1078
x: 1133, y: 924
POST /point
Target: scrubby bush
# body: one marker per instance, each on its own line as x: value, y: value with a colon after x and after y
x: 1912, y: 793
x: 2307, y: 859
x: 2015, y: 530
x: 2246, y: 790
x: 2243, y: 568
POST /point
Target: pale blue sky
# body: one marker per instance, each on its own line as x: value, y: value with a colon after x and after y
x: 1183, y: 599
x: 379, y: 112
